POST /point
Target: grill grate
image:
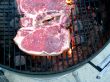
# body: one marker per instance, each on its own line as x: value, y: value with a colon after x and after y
x: 88, y: 34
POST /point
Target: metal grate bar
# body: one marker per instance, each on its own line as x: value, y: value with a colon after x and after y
x: 25, y: 63
x: 57, y: 63
x: 30, y: 63
x: 62, y: 61
x: 67, y: 59
x: 51, y: 63
x: 41, y: 65
x: 9, y: 53
x: 4, y: 34
x: 14, y: 45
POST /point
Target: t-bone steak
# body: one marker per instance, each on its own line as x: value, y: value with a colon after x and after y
x: 44, y: 27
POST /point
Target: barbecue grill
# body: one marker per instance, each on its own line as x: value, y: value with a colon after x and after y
x: 90, y: 31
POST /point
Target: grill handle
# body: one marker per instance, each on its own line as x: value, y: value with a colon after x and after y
x: 103, y: 67
x: 103, y: 72
x: 104, y: 62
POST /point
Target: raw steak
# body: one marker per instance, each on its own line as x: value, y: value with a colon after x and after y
x: 43, y: 28
x: 47, y: 40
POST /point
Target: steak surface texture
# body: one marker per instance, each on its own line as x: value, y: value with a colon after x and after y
x: 43, y: 29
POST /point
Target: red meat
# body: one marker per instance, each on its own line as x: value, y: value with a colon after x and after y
x: 45, y: 23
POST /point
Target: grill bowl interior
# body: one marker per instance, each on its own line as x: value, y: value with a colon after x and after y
x: 91, y: 32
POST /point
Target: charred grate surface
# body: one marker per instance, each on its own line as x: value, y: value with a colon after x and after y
x: 87, y: 31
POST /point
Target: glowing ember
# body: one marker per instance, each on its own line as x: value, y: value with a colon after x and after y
x: 73, y: 42
x: 70, y: 53
x: 69, y: 2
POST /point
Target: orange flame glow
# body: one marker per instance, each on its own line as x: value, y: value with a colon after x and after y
x: 70, y: 52
x: 69, y: 2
